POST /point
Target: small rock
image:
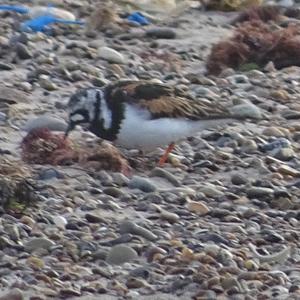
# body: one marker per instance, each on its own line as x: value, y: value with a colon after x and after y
x: 246, y: 111
x: 121, y: 254
x: 25, y: 86
x: 47, y: 174
x: 37, y: 243
x: 270, y: 67
x: 282, y: 203
x: 210, y: 190
x: 13, y: 232
x: 277, y: 144
x: 27, y: 220
x: 159, y: 172
x: 280, y: 95
x: 47, y: 84
x: 45, y: 121
x: 229, y: 282
x: 3, y: 116
x: 198, y: 207
x: 142, y: 184
x: 140, y: 272
x: 69, y: 292
x: 35, y: 263
x: 93, y: 218
x: 60, y: 221
x: 239, y: 179
x: 273, y: 131
x: 6, y: 67
x: 287, y: 170
x: 259, y: 192
x: 135, y: 283
x: 272, y: 236
x: 131, y: 227
x: 23, y: 52
x: 169, y: 216
x: 249, y: 146
x: 111, y: 55
x: 161, y: 33
x: 284, y: 154
x: 238, y: 79
x: 14, y: 294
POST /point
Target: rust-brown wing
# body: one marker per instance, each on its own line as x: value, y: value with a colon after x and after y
x: 163, y: 101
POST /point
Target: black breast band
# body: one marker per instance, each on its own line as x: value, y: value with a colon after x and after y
x: 97, y: 125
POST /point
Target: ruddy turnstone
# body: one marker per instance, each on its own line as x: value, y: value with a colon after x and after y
x: 142, y: 114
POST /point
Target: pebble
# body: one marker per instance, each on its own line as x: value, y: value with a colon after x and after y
x: 239, y: 179
x: 6, y: 66
x: 14, y: 294
x: 169, y: 216
x: 131, y: 227
x: 161, y: 33
x: 47, y: 84
x: 259, y: 192
x: 210, y: 191
x: 273, y: 131
x: 276, y: 144
x: 198, y: 207
x: 27, y: 220
x: 140, y: 272
x: 284, y: 154
x: 23, y: 51
x: 246, y: 111
x: 142, y: 184
x: 60, y: 221
x: 69, y: 292
x: 94, y: 218
x: 287, y: 170
x: 121, y: 254
x: 135, y: 283
x: 48, y: 174
x: 111, y: 55
x: 238, y: 79
x: 187, y: 228
x: 3, y: 116
x: 37, y: 243
x: 159, y: 172
x: 249, y: 146
x: 50, y: 122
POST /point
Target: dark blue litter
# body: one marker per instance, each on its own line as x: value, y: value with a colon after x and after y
x: 137, y: 17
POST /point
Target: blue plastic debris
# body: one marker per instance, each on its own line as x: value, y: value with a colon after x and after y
x: 138, y: 18
x: 41, y: 23
x: 18, y: 9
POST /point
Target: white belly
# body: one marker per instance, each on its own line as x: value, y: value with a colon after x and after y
x: 138, y: 131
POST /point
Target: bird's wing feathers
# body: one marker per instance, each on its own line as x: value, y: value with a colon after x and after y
x: 163, y: 101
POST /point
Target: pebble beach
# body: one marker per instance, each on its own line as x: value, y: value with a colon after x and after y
x: 221, y: 220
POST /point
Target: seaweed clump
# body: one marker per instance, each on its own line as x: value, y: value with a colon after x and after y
x: 256, y: 43
x: 17, y: 189
x: 265, y: 13
x: 41, y: 146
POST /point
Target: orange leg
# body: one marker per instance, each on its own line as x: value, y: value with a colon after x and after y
x: 164, y: 158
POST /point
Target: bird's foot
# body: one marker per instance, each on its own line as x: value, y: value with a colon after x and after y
x: 165, y: 156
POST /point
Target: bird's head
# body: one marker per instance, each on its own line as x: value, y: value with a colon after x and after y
x: 82, y: 107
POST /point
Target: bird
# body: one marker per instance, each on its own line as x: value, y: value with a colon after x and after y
x: 143, y: 114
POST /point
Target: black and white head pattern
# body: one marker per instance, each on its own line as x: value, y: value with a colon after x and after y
x: 89, y: 106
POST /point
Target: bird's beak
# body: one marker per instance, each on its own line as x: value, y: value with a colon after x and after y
x: 69, y: 129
